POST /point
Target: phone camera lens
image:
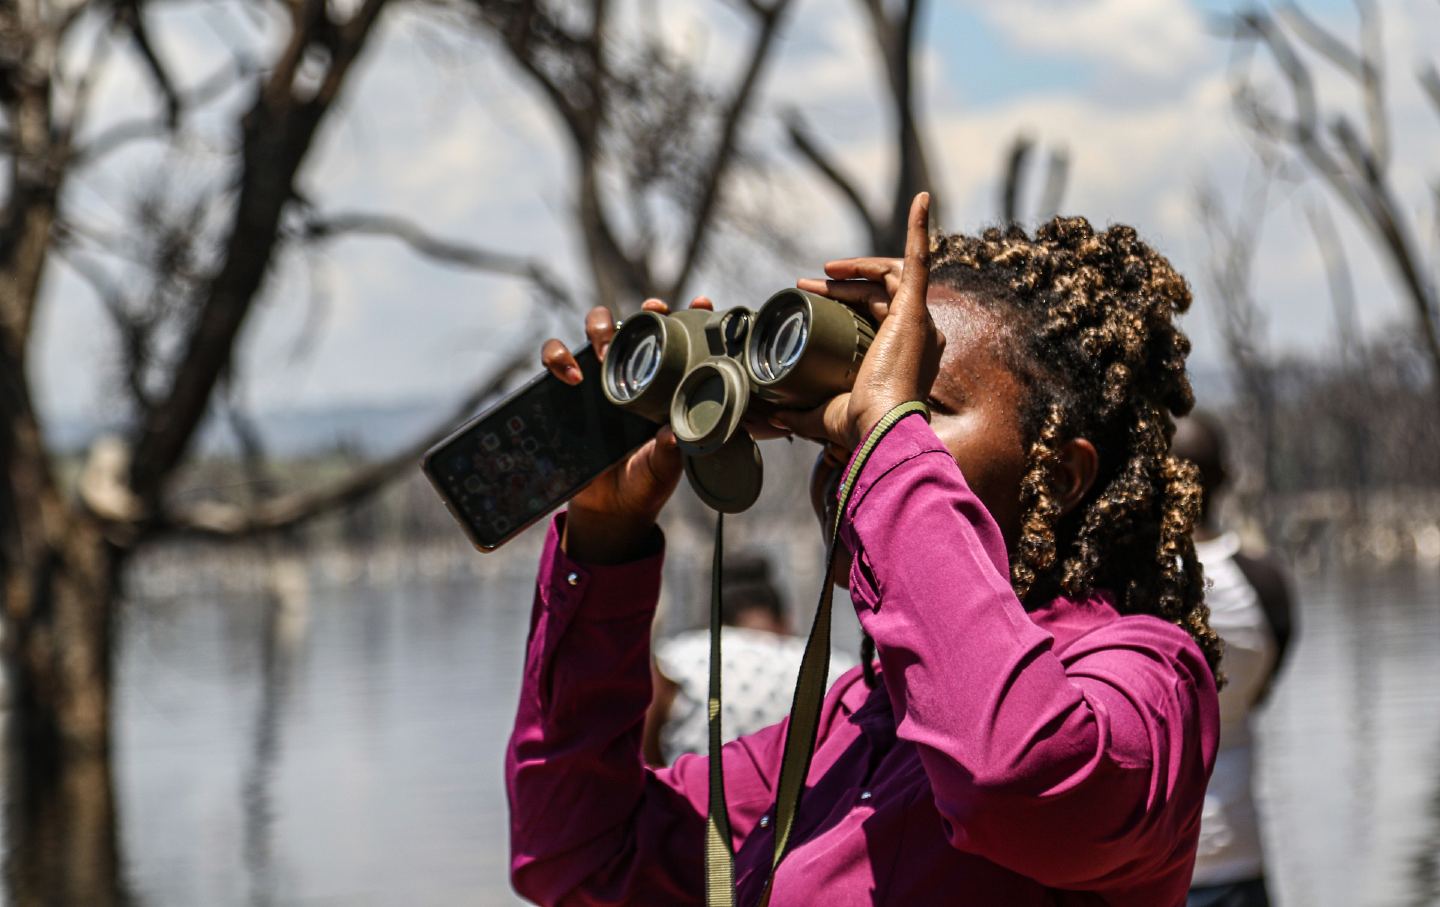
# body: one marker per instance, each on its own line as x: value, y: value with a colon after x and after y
x: 782, y: 338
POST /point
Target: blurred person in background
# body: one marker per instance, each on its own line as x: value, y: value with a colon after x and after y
x: 1250, y: 609
x: 760, y: 659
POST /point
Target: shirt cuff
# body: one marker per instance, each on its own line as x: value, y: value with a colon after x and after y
x: 608, y: 591
x: 907, y: 439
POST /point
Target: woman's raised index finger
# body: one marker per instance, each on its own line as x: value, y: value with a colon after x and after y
x: 915, y: 279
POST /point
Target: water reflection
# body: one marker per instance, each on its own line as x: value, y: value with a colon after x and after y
x: 336, y: 737
x: 1425, y: 863
x: 285, y: 610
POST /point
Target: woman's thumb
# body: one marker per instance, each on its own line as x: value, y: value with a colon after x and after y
x: 824, y: 423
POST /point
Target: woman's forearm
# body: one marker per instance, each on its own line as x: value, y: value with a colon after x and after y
x: 588, y: 821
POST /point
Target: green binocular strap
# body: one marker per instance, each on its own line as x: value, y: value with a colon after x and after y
x: 804, y: 710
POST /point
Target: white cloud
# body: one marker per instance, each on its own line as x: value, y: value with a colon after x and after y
x: 1142, y: 37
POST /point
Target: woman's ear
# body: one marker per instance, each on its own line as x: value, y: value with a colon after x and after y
x: 1078, y: 464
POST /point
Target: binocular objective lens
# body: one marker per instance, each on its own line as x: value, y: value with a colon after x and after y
x: 782, y: 345
x: 639, y: 361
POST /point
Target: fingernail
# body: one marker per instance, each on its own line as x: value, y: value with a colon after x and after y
x: 601, y: 350
x: 778, y: 423
x: 572, y: 374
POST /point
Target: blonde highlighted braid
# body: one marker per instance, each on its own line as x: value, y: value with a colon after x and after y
x: 1091, y: 317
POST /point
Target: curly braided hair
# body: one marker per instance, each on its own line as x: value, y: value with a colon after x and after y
x: 1091, y: 317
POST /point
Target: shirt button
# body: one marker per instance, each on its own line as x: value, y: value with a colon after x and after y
x: 865, y: 795
x: 764, y: 821
x: 573, y: 578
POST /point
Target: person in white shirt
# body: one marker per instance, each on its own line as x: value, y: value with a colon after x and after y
x: 760, y: 658
x: 1251, y: 611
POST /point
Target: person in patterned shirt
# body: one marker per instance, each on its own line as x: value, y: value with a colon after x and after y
x: 760, y: 660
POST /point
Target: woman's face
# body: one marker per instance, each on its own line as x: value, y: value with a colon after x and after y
x: 975, y: 405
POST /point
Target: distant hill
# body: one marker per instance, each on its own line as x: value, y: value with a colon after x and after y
x: 369, y: 430
x: 374, y: 430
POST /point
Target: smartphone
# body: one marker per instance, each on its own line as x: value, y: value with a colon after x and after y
x: 530, y: 453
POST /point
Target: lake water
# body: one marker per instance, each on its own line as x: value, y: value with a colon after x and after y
x: 348, y: 750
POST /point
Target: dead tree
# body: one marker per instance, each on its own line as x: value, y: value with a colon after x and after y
x: 1350, y: 155
x: 1233, y: 244
x: 205, y: 261
x: 1012, y: 187
x: 652, y: 144
x: 1351, y: 407
x: 893, y: 24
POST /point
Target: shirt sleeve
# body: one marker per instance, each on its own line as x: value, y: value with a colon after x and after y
x: 1078, y: 774
x: 589, y: 822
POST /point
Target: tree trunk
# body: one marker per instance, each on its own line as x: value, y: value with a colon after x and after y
x: 59, y: 590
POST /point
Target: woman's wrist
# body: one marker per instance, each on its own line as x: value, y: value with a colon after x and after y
x: 604, y: 538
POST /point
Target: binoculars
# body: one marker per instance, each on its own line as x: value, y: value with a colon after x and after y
x: 701, y: 370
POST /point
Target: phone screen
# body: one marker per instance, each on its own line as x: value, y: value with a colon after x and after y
x: 531, y: 452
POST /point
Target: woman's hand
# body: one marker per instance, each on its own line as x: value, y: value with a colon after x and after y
x: 902, y: 362
x: 610, y: 520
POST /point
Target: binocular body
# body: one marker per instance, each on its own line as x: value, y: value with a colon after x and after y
x: 700, y: 371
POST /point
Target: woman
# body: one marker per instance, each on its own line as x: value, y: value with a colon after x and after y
x: 1044, y: 718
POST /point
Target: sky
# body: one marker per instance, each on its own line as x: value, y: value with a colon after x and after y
x: 436, y: 127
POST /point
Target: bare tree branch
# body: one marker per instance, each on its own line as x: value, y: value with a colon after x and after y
x: 894, y: 32
x: 80, y: 101
x: 1012, y: 185
x: 1233, y: 244
x: 130, y: 16
x: 135, y: 335
x: 35, y: 177
x: 277, y: 135
x: 123, y: 133
x: 605, y: 99
x: 234, y: 523
x: 1337, y: 276
x: 810, y: 149
x: 1321, y: 40
x: 1356, y: 170
x: 317, y: 228
x: 1430, y: 81
x: 1015, y: 158
x: 1057, y: 176
x: 1349, y: 409
x: 721, y: 155
x: 893, y: 27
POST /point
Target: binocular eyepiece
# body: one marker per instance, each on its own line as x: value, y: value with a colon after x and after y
x: 699, y: 371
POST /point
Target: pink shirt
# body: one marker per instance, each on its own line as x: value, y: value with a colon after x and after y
x: 1058, y: 757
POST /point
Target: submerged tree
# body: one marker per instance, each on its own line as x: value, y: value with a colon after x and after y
x: 1350, y: 153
